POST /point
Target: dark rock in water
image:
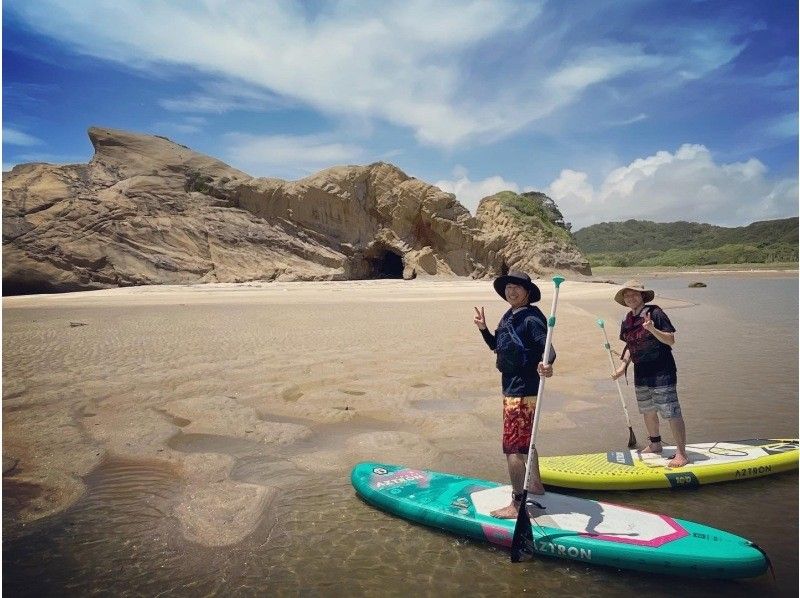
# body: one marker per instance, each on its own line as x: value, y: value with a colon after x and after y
x: 697, y: 285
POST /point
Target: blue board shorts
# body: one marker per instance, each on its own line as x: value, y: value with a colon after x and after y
x: 663, y: 399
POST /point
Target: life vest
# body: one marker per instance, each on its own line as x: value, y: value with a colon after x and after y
x: 515, y: 355
x: 642, y: 346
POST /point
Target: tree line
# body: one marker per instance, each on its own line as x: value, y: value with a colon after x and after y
x: 645, y: 243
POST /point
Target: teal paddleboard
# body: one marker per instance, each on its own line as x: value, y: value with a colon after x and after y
x: 564, y: 526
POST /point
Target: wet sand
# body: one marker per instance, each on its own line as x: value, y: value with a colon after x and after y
x: 185, y: 376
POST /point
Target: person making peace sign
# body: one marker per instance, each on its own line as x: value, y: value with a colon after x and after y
x: 649, y: 336
x: 518, y: 343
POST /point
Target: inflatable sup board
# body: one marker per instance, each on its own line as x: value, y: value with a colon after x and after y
x: 563, y: 526
x: 710, y: 462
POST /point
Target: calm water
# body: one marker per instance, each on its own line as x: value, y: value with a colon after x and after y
x: 737, y: 357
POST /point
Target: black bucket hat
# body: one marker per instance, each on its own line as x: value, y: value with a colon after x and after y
x: 520, y: 278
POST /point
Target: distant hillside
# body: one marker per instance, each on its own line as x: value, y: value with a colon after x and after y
x: 645, y: 243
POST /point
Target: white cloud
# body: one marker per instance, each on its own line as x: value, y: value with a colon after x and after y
x: 706, y: 50
x: 571, y: 188
x: 598, y: 64
x: 287, y: 156
x: 686, y: 185
x: 16, y: 137
x: 398, y: 61
x: 45, y: 158
x: 470, y: 193
x: 409, y: 63
x: 188, y: 125
x: 219, y: 97
x: 784, y: 126
x: 628, y: 121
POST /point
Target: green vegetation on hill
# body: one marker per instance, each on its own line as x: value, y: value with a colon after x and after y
x: 645, y: 243
x: 535, y: 211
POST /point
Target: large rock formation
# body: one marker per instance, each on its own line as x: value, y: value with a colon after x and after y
x: 146, y: 210
x: 527, y: 232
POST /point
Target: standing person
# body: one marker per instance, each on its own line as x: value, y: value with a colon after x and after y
x: 519, y: 343
x: 649, y: 336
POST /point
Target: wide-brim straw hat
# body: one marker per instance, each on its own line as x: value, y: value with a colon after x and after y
x: 520, y: 278
x: 634, y: 285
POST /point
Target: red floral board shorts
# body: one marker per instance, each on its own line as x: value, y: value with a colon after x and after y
x: 517, y: 423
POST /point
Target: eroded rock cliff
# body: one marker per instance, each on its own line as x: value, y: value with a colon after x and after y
x: 526, y: 232
x: 146, y: 210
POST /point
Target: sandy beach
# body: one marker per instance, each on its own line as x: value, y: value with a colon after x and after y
x: 179, y: 438
x: 397, y: 369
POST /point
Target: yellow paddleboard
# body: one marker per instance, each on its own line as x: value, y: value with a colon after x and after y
x: 710, y: 462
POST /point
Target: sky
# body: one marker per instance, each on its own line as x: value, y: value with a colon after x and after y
x: 664, y: 111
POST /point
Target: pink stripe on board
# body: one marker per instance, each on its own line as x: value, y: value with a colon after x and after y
x: 496, y: 534
x: 677, y: 533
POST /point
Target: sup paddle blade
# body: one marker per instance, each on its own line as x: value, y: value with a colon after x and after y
x: 522, y: 542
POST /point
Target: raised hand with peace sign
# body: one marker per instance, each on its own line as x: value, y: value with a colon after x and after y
x: 668, y: 338
x: 480, y: 318
x: 648, y: 323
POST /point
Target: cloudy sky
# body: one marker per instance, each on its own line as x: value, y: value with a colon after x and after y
x: 679, y: 110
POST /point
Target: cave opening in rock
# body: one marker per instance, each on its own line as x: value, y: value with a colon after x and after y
x: 387, y: 265
x: 15, y: 286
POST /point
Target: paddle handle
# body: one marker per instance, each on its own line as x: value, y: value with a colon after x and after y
x: 551, y: 324
x: 613, y: 371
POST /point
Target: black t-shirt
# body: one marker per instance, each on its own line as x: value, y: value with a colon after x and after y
x: 653, y: 363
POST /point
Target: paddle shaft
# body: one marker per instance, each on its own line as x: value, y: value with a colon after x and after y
x: 613, y: 371
x: 522, y: 541
x: 551, y: 324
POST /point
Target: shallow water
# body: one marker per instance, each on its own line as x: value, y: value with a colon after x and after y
x: 737, y: 359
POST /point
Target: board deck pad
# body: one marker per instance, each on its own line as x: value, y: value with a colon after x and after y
x: 569, y: 527
x: 710, y: 462
x: 604, y: 521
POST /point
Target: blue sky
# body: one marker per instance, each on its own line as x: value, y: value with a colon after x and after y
x: 679, y: 110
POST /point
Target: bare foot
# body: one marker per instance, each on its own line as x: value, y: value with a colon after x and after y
x: 653, y: 447
x: 678, y: 460
x: 509, y: 512
x: 512, y: 511
x: 536, y: 488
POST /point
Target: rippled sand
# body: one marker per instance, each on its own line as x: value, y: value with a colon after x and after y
x: 248, y: 392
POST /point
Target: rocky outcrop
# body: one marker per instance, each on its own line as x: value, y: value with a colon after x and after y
x: 146, y: 210
x: 527, y: 233
x: 380, y: 221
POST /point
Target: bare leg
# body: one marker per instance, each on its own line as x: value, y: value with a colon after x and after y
x: 651, y: 423
x: 516, y: 471
x: 678, y: 428
x: 535, y: 482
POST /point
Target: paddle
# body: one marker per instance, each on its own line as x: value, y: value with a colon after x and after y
x: 632, y: 437
x: 522, y: 542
